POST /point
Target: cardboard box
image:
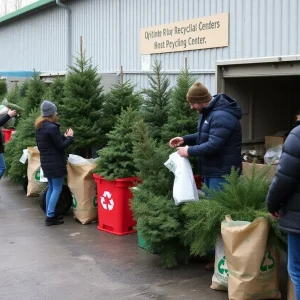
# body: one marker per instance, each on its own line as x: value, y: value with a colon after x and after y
x: 247, y: 169
x: 274, y: 140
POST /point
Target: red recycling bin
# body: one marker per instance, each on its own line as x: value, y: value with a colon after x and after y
x: 7, y: 134
x: 114, y: 213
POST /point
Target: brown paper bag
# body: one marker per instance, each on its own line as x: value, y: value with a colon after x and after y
x: 253, y: 265
x: 83, y: 188
x: 291, y: 290
x: 35, y: 187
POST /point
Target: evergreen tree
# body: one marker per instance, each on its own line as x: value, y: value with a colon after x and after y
x: 116, y: 159
x: 243, y: 198
x: 155, y: 106
x: 23, y: 89
x: 34, y: 94
x: 55, y: 92
x: 82, y: 104
x: 3, y: 88
x: 159, y: 220
x: 119, y: 98
x: 23, y: 138
x: 182, y: 119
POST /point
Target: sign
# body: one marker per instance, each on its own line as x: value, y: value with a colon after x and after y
x: 146, y: 62
x: 203, y: 33
x: 107, y: 198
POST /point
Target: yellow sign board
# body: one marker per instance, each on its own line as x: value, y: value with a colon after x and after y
x: 203, y: 33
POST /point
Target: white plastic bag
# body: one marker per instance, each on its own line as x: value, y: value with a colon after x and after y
x: 184, y: 188
x: 273, y: 155
x: 220, y: 277
x: 24, y: 157
x: 77, y: 160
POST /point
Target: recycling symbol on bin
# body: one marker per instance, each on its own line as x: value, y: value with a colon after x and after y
x: 106, y: 201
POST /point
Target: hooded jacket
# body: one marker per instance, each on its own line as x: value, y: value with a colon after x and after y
x: 284, y: 192
x: 218, y: 142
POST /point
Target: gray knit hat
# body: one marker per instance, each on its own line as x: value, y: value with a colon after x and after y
x: 48, y: 109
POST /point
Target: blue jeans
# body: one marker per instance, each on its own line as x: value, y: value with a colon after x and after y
x: 2, y: 165
x: 294, y: 261
x: 214, y: 183
x: 52, y: 196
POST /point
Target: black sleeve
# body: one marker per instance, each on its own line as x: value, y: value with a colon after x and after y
x: 4, y: 119
x: 59, y: 143
x: 287, y: 176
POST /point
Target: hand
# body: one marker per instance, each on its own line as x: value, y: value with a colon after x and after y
x: 69, y: 132
x: 275, y: 215
x: 175, y: 142
x: 183, y: 151
x: 12, y: 113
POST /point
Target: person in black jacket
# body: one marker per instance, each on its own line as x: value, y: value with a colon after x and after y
x: 218, y: 142
x: 52, y: 145
x: 283, y: 202
x: 3, y: 120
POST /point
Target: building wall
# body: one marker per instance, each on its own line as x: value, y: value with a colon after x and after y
x: 110, y: 31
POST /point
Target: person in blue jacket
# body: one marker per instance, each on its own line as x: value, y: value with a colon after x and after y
x: 3, y: 120
x: 283, y: 201
x: 218, y: 142
x: 52, y: 145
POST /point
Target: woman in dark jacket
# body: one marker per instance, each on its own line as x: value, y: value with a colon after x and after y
x: 52, y: 145
x: 3, y: 120
x: 283, y: 202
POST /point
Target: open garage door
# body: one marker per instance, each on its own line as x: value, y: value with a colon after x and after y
x: 268, y: 91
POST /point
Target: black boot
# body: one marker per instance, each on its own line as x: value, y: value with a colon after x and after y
x: 53, y: 221
x: 60, y: 217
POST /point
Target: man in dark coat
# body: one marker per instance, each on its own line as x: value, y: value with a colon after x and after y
x: 3, y: 120
x: 283, y: 202
x: 218, y: 142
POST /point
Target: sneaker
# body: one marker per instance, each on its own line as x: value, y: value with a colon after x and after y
x: 53, y: 221
x: 60, y: 217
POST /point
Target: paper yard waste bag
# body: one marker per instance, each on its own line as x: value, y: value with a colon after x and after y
x: 291, y: 290
x: 220, y: 277
x: 35, y: 186
x: 253, y: 265
x: 83, y: 188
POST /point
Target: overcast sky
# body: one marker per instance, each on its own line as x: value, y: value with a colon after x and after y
x: 11, y: 5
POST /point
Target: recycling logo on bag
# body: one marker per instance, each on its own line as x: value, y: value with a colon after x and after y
x: 37, y: 175
x: 268, y: 262
x: 106, y: 201
x: 95, y: 203
x: 222, y: 267
x: 74, y: 204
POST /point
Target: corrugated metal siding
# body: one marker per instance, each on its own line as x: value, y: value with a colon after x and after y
x: 34, y: 42
x: 110, y: 30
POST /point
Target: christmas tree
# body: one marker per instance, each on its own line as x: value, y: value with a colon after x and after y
x: 81, y: 106
x: 3, y: 88
x: 119, y: 98
x: 23, y: 138
x: 159, y: 221
x: 182, y: 119
x: 34, y: 94
x: 55, y: 92
x: 116, y: 159
x: 155, y: 106
x: 243, y: 198
x: 23, y: 89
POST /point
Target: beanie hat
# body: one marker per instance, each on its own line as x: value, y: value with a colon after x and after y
x: 198, y: 93
x: 48, y: 109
